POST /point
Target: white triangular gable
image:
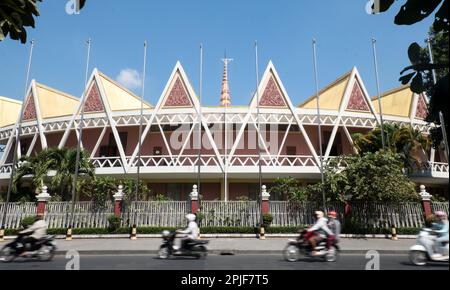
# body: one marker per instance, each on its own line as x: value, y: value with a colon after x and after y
x: 178, y: 92
x: 356, y: 98
x: 95, y: 106
x: 272, y: 93
x: 420, y: 107
x: 94, y: 103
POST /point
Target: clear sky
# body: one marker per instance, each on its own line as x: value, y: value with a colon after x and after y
x: 175, y: 28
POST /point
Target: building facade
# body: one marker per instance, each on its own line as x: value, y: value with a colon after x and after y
x: 229, y: 158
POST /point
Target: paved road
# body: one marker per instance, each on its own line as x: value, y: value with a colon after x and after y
x: 217, y: 262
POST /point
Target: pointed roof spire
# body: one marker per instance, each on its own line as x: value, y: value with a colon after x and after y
x: 225, y: 97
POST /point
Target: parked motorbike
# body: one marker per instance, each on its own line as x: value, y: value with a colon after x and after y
x: 424, y: 250
x: 43, y: 250
x: 194, y: 248
x: 301, y: 247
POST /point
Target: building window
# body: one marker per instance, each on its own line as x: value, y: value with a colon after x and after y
x: 336, y: 148
x: 111, y: 150
x: 291, y: 150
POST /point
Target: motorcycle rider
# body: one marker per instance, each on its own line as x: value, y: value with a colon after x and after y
x: 441, y: 229
x: 335, y: 226
x: 191, y: 232
x: 318, y: 231
x: 37, y: 231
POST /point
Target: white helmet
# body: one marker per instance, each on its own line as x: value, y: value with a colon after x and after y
x: 191, y: 217
x: 319, y: 214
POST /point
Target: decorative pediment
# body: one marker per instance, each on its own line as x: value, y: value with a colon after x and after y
x: 272, y: 95
x: 178, y: 95
x: 357, y: 102
x: 422, y: 110
x: 93, y: 103
x: 29, y: 112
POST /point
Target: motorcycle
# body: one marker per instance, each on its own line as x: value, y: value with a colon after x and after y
x: 194, y: 248
x: 423, y: 251
x: 301, y: 247
x: 43, y: 249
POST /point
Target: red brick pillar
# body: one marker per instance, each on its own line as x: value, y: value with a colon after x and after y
x: 194, y: 199
x: 426, y: 201
x: 118, y: 199
x: 42, y: 199
x: 265, y: 206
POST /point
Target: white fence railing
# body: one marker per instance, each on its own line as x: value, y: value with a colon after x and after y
x: 439, y: 206
x: 366, y: 215
x: 230, y: 213
x: 288, y: 214
x: 219, y: 214
x: 156, y: 213
x: 58, y: 215
x: 16, y: 212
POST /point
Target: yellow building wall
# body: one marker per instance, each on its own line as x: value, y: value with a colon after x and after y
x: 53, y: 103
x: 119, y: 99
x: 330, y: 99
x: 9, y: 111
x: 397, y: 103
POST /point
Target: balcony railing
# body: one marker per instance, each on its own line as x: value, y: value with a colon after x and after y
x: 6, y: 169
x: 431, y: 169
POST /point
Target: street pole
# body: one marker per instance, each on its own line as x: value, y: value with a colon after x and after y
x: 430, y: 52
x: 319, y: 123
x: 138, y: 181
x: 199, y: 161
x: 383, y: 141
x: 444, y: 133
x: 17, y: 140
x: 80, y: 136
x: 259, y: 130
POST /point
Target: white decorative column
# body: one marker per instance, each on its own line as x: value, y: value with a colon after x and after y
x: 426, y: 201
x: 118, y: 199
x: 194, y: 199
x: 265, y: 207
x: 42, y: 199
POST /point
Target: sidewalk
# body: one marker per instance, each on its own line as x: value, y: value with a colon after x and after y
x: 224, y: 246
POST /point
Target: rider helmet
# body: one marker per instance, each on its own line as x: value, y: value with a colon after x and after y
x: 319, y: 214
x: 332, y: 214
x: 190, y: 217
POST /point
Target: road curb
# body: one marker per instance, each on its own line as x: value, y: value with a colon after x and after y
x: 222, y: 252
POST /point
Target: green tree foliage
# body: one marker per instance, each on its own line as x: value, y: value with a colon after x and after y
x: 418, y: 73
x: 100, y: 190
x: 372, y: 177
x: 61, y: 162
x: 17, y: 15
x: 287, y: 188
x: 403, y: 140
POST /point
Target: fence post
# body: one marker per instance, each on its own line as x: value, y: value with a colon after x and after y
x: 194, y: 199
x: 42, y: 199
x: 426, y: 201
x: 118, y: 199
x: 265, y: 207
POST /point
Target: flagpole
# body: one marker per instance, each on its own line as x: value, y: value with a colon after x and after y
x: 259, y: 127
x: 17, y: 140
x: 80, y: 136
x: 375, y: 61
x: 144, y: 72
x: 319, y: 122
x: 200, y: 120
x: 430, y: 52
